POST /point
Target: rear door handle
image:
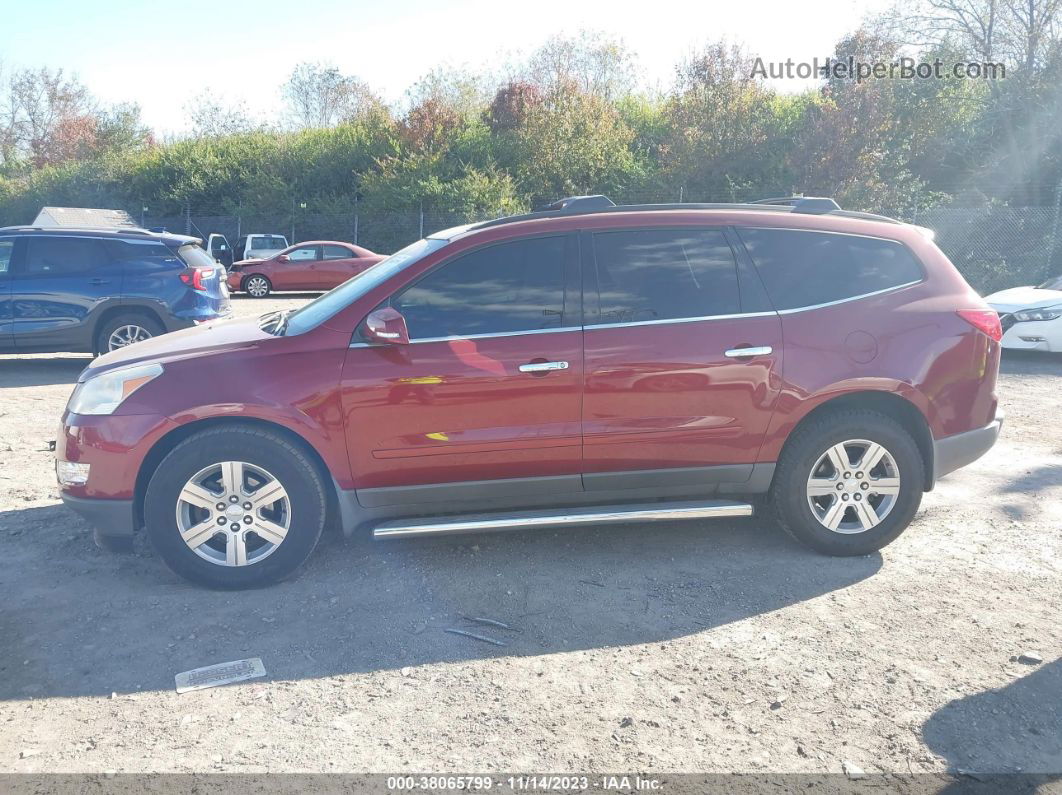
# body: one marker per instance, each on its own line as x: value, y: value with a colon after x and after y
x: 543, y: 367
x: 741, y: 353
x: 100, y: 281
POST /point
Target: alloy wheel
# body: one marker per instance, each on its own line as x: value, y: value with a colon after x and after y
x: 257, y: 286
x: 127, y: 335
x: 233, y: 513
x: 853, y: 486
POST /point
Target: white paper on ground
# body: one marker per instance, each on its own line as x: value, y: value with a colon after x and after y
x: 220, y: 674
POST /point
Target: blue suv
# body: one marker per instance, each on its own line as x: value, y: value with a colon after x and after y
x: 96, y: 290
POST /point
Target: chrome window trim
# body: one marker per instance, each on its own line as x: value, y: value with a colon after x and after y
x: 472, y: 336
x: 669, y: 321
x: 852, y: 298
x: 592, y: 326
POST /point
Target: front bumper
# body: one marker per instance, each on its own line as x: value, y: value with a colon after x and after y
x: 955, y: 452
x: 1039, y: 335
x: 112, y: 521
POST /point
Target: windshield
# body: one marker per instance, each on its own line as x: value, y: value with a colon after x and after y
x: 321, y: 309
x: 268, y: 241
x: 1054, y: 283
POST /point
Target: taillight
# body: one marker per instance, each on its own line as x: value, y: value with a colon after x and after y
x: 984, y: 320
x: 193, y: 277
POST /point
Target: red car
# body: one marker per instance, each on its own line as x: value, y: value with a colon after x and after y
x: 313, y: 265
x: 588, y: 363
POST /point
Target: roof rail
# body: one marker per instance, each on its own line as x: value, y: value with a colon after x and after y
x: 585, y: 205
x: 576, y: 204
x: 813, y: 205
x: 124, y: 230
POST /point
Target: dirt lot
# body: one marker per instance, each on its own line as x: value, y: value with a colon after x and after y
x: 701, y: 647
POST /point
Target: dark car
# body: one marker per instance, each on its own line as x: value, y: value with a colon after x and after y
x: 98, y: 290
x: 588, y: 363
x: 313, y: 265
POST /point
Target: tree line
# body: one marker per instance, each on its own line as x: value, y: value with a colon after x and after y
x: 574, y: 118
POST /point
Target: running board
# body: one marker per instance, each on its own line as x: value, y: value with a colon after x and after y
x: 562, y: 517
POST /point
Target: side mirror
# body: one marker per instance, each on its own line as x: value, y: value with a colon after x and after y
x: 283, y: 258
x: 386, y: 326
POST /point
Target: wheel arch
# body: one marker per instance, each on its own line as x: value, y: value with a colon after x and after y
x: 890, y: 404
x: 169, y: 441
x: 114, y: 311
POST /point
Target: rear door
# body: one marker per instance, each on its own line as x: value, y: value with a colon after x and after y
x: 670, y: 399
x: 337, y: 264
x: 58, y: 282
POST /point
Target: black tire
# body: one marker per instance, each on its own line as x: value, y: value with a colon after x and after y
x: 283, y: 459
x: 250, y: 281
x: 789, y: 491
x: 147, y: 325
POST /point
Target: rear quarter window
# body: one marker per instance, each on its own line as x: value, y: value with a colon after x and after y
x: 130, y: 251
x: 802, y: 268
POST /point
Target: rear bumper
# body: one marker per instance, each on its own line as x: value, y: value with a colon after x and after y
x: 955, y: 452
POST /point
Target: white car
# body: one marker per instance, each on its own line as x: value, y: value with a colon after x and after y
x: 1031, y: 316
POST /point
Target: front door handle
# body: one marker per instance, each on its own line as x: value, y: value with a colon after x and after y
x: 741, y: 353
x: 543, y: 367
x: 98, y: 282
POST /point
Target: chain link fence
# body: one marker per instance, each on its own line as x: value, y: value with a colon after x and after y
x: 994, y: 247
x: 998, y: 247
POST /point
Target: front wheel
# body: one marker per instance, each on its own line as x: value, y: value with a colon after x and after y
x: 848, y: 482
x: 257, y: 286
x: 235, y: 507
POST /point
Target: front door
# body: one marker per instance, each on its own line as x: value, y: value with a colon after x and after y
x: 299, y: 271
x: 485, y: 399
x: 670, y: 399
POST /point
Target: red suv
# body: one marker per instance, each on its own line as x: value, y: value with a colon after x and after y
x: 588, y: 363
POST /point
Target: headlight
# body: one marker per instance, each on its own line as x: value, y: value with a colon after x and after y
x: 1045, y: 313
x: 102, y: 394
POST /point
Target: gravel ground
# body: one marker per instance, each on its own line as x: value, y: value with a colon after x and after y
x: 702, y: 647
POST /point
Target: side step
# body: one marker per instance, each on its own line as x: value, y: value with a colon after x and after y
x: 562, y: 517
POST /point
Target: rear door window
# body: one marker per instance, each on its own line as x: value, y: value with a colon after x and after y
x: 663, y: 274
x: 802, y: 269
x: 63, y: 256
x: 337, y: 252
x: 501, y: 289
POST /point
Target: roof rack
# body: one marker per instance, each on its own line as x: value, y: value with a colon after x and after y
x: 813, y: 205
x: 587, y: 205
x: 125, y: 230
x: 113, y: 230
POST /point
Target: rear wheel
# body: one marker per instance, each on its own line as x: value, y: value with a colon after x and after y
x: 848, y: 482
x: 235, y: 508
x: 124, y: 330
x: 257, y: 286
